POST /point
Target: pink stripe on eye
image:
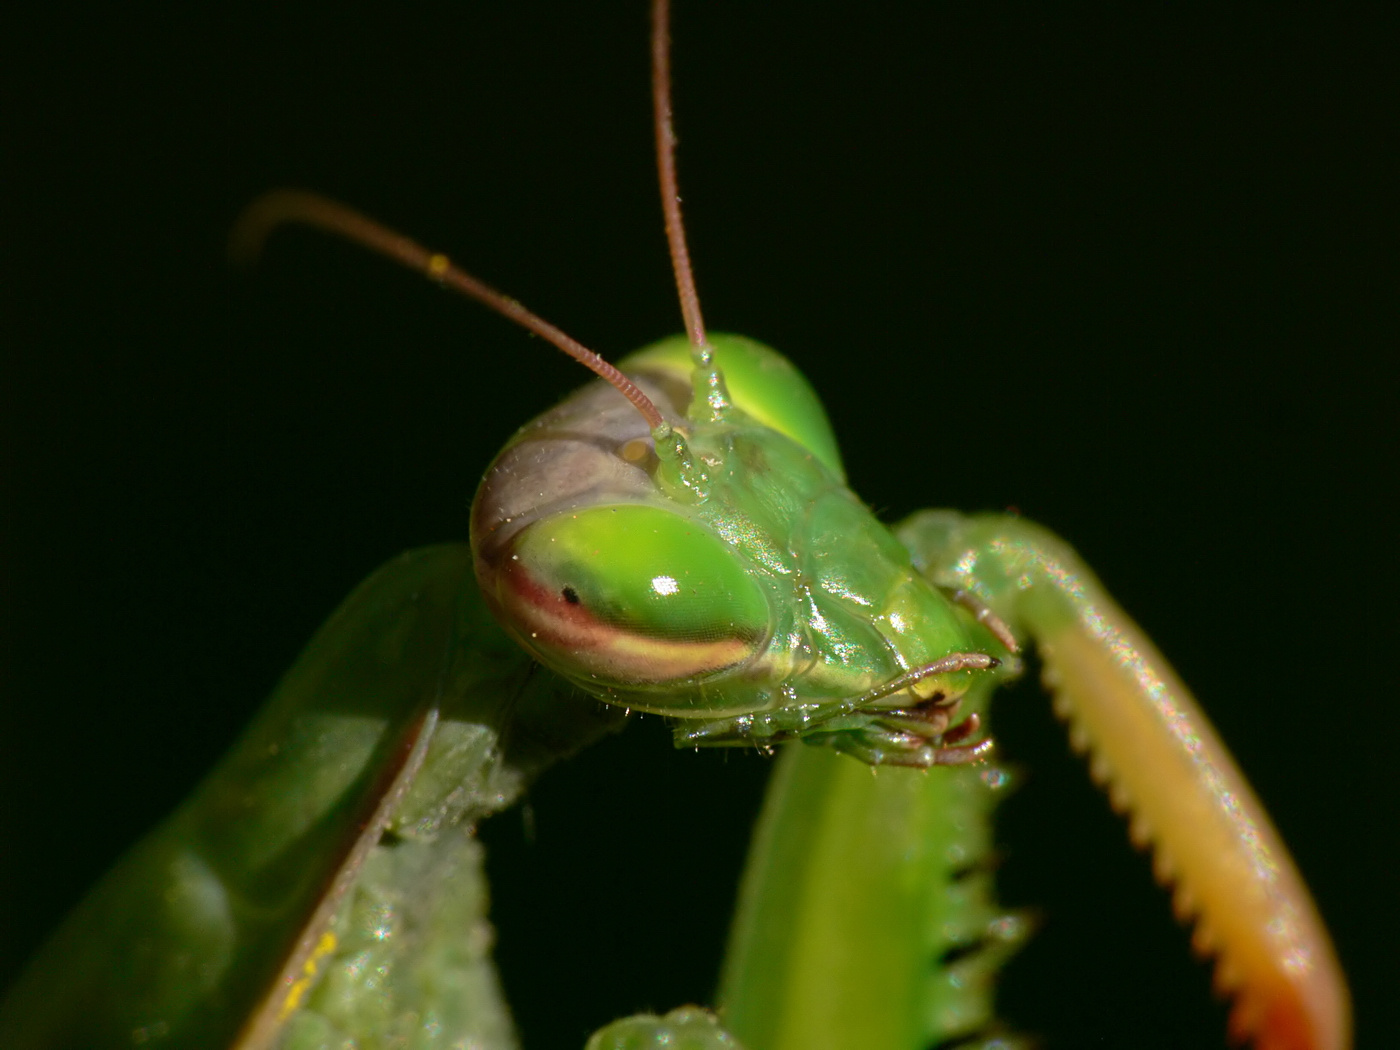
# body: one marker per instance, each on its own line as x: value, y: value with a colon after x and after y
x: 555, y: 623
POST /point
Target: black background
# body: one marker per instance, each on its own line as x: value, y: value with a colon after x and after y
x: 1132, y: 271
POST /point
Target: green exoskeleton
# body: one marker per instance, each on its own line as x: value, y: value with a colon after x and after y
x: 677, y: 540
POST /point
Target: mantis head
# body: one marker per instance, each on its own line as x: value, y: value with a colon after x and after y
x: 756, y: 598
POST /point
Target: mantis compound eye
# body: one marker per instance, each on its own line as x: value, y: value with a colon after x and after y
x: 631, y: 595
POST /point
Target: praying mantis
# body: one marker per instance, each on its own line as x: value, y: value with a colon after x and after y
x: 969, y: 477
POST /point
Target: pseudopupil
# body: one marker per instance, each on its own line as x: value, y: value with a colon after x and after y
x: 571, y: 595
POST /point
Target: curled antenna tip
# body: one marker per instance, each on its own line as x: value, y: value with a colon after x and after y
x: 258, y: 220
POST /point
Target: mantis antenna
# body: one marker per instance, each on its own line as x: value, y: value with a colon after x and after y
x: 711, y: 395
x: 311, y: 209
x: 666, y: 168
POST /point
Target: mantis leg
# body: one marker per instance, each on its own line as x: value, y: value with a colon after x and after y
x: 866, y: 915
x: 330, y: 842
x: 1162, y: 763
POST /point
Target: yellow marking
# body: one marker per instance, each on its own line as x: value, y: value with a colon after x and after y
x: 438, y: 265
x: 292, y: 1001
x: 634, y: 451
